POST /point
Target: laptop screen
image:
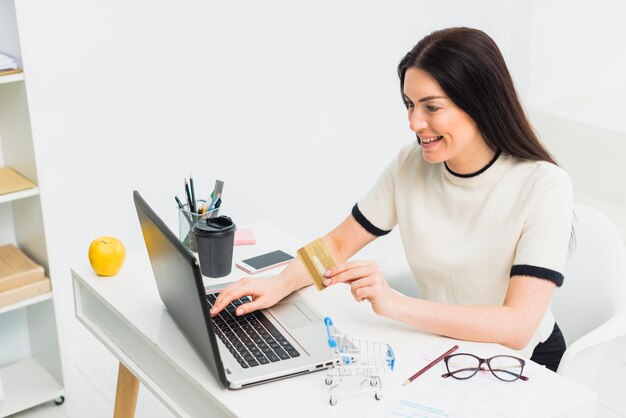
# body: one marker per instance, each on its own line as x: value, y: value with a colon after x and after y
x: 180, y: 285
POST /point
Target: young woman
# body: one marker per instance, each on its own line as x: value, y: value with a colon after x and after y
x: 485, y: 213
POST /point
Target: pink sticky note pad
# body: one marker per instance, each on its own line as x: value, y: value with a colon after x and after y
x: 244, y: 236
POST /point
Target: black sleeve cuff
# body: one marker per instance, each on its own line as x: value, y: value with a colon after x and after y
x: 367, y: 225
x: 539, y: 272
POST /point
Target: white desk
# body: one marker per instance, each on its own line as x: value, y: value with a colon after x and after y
x: 126, y: 314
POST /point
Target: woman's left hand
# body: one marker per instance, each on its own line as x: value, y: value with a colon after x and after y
x: 367, y: 282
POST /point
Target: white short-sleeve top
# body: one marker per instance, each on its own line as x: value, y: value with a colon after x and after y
x: 465, y: 236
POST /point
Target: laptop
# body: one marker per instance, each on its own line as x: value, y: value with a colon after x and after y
x: 285, y: 340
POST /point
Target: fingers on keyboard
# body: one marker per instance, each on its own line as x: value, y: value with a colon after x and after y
x: 252, y: 339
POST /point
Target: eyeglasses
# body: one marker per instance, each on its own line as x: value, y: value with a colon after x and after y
x: 464, y: 365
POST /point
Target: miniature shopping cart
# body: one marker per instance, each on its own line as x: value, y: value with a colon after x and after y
x: 355, y: 357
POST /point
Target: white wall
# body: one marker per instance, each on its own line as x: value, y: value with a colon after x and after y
x: 9, y: 44
x: 576, y: 88
x: 295, y: 105
x: 577, y: 48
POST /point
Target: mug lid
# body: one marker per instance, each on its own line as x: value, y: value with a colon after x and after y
x: 215, y: 227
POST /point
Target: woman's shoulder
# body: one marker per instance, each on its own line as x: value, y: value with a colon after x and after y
x: 407, y: 151
x: 409, y: 157
x: 540, y: 173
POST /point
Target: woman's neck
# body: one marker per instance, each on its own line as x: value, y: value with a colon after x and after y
x: 471, y: 162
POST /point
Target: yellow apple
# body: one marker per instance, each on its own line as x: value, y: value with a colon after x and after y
x: 106, y: 255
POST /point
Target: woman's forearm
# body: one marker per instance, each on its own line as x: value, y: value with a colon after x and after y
x: 495, y: 324
x: 294, y: 276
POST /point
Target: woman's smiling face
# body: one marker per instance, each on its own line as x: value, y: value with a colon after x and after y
x: 445, y: 132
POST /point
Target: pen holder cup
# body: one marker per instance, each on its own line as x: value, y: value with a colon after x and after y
x: 187, y: 219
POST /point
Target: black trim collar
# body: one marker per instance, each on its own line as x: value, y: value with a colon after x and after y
x: 482, y: 170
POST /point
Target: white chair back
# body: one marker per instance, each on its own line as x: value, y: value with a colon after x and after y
x: 595, y: 275
x: 590, y: 306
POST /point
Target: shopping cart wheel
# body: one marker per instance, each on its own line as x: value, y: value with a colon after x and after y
x: 333, y: 400
x: 329, y: 380
x: 374, y: 381
x: 378, y: 395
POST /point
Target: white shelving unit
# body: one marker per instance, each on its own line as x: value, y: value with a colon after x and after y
x: 31, y: 369
x: 10, y: 197
x: 10, y: 78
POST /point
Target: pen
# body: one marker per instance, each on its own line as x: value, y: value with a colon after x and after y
x: 182, y: 207
x: 180, y: 204
x: 431, y: 364
x: 217, y: 192
x: 216, y: 202
x: 193, y: 194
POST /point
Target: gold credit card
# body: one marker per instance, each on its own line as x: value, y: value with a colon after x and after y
x: 317, y: 260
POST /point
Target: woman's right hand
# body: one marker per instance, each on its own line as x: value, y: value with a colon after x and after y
x: 264, y: 293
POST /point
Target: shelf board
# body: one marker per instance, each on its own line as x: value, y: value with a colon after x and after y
x: 26, y: 302
x: 9, y: 197
x: 11, y: 78
x: 26, y: 384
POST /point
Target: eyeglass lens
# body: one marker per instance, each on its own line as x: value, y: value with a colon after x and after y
x: 462, y: 366
x: 506, y: 367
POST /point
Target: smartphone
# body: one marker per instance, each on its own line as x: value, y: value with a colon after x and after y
x: 264, y: 262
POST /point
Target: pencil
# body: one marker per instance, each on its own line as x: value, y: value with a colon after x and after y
x: 193, y: 194
x: 431, y: 364
x: 189, y: 203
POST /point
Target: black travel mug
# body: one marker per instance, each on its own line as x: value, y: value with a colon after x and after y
x: 215, y: 238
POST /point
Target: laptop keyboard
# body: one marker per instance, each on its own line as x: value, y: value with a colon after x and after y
x: 252, y: 339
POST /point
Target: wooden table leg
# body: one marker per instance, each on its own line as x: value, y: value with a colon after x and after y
x: 126, y: 394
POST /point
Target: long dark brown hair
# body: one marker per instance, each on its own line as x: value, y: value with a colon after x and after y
x: 470, y: 69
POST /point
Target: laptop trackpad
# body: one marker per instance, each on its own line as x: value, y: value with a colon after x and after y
x: 291, y: 315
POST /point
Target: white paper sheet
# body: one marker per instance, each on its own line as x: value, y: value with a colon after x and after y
x: 431, y: 396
